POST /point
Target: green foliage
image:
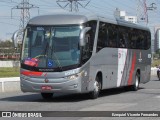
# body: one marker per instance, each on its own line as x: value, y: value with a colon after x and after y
x: 7, y: 50
x: 9, y: 72
x: 6, y: 43
x: 6, y: 47
x: 156, y: 56
x: 156, y: 63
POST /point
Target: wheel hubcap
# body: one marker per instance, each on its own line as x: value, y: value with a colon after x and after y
x: 96, y: 86
x: 137, y: 82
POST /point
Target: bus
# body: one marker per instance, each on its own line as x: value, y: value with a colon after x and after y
x: 83, y: 53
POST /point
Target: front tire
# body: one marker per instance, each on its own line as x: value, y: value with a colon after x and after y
x: 47, y: 96
x: 97, y: 87
x: 135, y: 87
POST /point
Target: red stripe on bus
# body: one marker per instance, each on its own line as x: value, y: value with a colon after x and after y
x: 132, y: 69
x: 31, y: 73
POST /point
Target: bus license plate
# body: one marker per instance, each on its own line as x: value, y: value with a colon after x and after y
x: 46, y: 87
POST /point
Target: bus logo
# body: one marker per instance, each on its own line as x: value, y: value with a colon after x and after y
x: 46, y: 80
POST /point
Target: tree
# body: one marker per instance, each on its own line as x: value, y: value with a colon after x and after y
x: 6, y: 49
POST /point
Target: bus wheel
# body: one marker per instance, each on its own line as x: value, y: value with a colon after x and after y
x: 135, y: 87
x: 97, y: 87
x: 47, y: 96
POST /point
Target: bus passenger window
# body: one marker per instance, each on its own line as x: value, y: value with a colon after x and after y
x: 111, y: 43
x: 102, y: 38
x: 123, y: 36
x: 148, y: 40
x: 90, y: 35
x: 132, y: 38
x: 112, y: 36
x: 122, y: 43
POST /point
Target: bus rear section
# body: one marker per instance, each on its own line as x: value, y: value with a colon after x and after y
x: 123, y: 55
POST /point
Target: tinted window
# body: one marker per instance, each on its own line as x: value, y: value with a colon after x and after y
x: 90, y: 35
x: 102, y: 36
x: 122, y: 37
x: 111, y: 35
x: 139, y: 39
x: 107, y: 36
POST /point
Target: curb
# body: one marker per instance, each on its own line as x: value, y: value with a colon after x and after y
x: 10, y: 84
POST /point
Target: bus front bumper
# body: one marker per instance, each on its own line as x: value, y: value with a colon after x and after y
x: 42, y: 85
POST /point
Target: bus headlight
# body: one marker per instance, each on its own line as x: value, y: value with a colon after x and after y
x: 75, y: 76
x: 72, y: 77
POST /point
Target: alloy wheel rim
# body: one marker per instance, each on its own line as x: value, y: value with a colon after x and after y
x: 137, y: 82
x: 96, y: 86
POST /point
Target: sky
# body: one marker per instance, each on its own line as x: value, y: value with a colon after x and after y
x: 9, y: 25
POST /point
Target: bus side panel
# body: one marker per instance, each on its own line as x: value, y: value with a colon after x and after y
x: 144, y: 64
x: 136, y: 60
x: 122, y: 66
x: 86, y: 82
x: 119, y: 66
x: 129, y: 69
x: 106, y: 62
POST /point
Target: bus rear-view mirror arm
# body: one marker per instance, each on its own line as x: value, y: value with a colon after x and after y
x: 82, y: 35
x: 16, y: 38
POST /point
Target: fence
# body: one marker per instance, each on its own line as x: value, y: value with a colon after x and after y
x: 9, y: 63
x: 153, y: 71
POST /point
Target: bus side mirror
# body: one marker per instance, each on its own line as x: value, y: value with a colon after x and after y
x: 17, y: 37
x: 82, y: 36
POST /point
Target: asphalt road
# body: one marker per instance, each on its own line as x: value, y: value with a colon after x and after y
x: 147, y: 98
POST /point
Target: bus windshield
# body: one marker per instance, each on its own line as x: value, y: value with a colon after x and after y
x: 51, y: 47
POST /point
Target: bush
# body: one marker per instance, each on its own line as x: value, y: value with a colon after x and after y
x: 156, y: 63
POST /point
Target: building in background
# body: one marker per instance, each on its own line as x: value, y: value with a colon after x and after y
x: 155, y: 33
x: 122, y: 15
x: 157, y: 38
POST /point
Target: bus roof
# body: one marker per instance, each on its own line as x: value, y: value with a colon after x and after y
x: 79, y: 18
x: 62, y: 19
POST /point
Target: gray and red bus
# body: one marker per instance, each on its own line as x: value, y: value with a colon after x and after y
x: 80, y: 53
